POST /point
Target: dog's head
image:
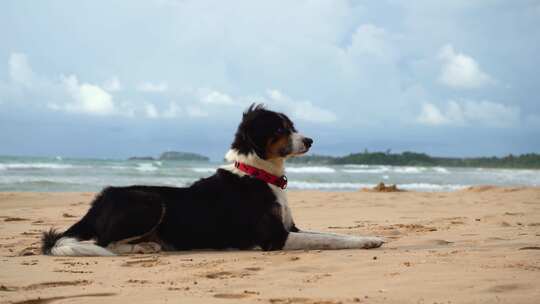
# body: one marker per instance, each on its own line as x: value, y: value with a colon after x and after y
x: 269, y: 134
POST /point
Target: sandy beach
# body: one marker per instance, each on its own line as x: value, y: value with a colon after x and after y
x: 479, y: 245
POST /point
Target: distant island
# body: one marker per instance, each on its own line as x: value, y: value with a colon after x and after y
x: 174, y: 155
x: 524, y: 161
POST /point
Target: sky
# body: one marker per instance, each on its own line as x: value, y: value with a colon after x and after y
x: 113, y: 79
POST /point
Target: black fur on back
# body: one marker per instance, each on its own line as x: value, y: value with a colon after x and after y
x: 222, y: 211
x: 257, y: 127
x: 48, y: 239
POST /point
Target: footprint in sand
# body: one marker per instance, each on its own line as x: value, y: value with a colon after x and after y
x: 144, y: 263
x: 231, y: 295
x: 32, y: 250
x: 505, y: 287
x: 15, y: 219
x: 427, y: 244
x: 440, y: 242
x: 409, y: 228
x: 514, y: 213
x: 226, y: 275
x: 46, y: 285
x: 57, y: 284
x: 137, y: 281
x: 42, y: 300
x: 530, y: 248
x: 298, y: 300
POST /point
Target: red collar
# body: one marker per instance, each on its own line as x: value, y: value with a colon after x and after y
x: 280, y: 181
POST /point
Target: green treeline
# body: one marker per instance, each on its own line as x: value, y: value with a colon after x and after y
x: 524, y: 161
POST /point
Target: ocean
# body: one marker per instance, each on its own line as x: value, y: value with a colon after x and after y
x: 45, y: 174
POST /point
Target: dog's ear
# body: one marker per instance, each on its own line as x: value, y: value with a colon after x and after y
x: 248, y: 110
x: 254, y: 107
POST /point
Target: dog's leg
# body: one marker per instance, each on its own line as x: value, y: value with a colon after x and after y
x: 124, y: 248
x: 319, y: 232
x: 316, y: 240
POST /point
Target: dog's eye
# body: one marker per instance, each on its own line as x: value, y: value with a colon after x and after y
x: 281, y: 131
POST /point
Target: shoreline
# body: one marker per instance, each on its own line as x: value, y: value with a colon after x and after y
x: 469, y: 246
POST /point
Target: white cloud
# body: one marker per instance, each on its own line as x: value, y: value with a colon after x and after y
x: 153, y: 87
x: 172, y: 111
x: 151, y: 111
x: 302, y: 110
x: 86, y: 98
x: 431, y: 115
x: 19, y: 69
x: 216, y: 98
x: 194, y: 111
x: 461, y: 71
x: 370, y: 40
x: 468, y: 112
x: 113, y: 85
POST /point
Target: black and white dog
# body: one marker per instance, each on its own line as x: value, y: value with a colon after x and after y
x: 242, y: 206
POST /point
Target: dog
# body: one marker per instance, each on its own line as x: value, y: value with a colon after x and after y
x: 242, y: 206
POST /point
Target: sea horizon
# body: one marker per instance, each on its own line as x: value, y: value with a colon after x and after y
x: 59, y: 174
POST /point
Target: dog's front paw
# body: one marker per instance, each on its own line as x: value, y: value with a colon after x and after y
x: 373, y: 242
x: 149, y: 247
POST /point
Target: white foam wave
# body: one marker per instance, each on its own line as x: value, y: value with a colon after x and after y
x: 204, y: 170
x: 367, y: 171
x: 146, y: 167
x: 409, y: 170
x: 327, y: 186
x: 357, y: 186
x: 114, y: 167
x: 356, y: 166
x: 30, y: 166
x: 441, y: 170
x: 310, y: 170
x: 431, y: 187
x: 391, y: 169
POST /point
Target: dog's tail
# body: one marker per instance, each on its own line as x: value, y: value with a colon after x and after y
x: 70, y: 243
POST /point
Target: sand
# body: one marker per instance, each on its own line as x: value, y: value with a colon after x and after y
x: 479, y: 245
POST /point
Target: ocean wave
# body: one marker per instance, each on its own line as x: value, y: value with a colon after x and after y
x: 366, y: 171
x: 389, y: 169
x: 326, y: 186
x: 310, y: 170
x: 409, y: 170
x: 65, y: 183
x: 432, y: 187
x: 33, y: 166
x: 441, y: 170
x: 203, y: 170
x: 357, y: 186
x: 356, y: 166
x: 146, y: 167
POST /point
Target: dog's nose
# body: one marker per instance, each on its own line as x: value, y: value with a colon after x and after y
x: 308, y: 141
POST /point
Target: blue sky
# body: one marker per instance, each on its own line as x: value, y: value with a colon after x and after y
x: 122, y: 78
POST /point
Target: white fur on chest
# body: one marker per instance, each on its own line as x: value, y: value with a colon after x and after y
x: 281, y: 198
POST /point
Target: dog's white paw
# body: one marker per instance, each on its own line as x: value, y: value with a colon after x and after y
x: 373, y: 242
